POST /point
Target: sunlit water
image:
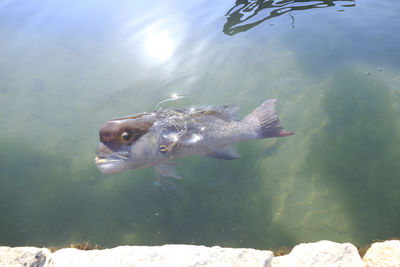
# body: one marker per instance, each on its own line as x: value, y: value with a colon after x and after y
x: 334, y: 67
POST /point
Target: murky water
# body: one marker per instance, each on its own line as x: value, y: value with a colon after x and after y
x: 333, y: 66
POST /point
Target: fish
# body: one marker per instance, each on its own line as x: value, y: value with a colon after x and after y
x: 156, y: 138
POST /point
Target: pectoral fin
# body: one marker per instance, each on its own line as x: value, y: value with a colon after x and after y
x: 172, y: 147
x: 167, y: 170
x: 226, y: 153
x: 166, y: 185
x: 162, y: 171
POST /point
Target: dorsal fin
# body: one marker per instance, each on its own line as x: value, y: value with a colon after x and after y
x: 142, y: 115
x: 226, y: 113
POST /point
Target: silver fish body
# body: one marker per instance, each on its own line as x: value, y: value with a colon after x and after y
x: 153, y: 139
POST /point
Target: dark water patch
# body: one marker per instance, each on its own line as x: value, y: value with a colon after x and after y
x: 355, y: 154
x: 39, y: 195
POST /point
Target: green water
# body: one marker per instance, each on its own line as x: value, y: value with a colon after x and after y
x: 334, y: 68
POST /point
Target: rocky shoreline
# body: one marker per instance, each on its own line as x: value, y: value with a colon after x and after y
x: 322, y: 253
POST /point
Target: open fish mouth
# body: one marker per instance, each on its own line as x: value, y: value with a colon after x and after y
x: 109, y: 164
x: 105, y: 160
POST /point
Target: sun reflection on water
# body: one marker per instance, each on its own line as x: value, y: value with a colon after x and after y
x: 159, y: 45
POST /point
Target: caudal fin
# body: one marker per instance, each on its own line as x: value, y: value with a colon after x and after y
x: 265, y: 116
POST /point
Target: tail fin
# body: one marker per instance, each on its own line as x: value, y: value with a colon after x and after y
x: 265, y: 116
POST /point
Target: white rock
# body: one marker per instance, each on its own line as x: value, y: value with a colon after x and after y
x: 383, y: 254
x: 167, y: 255
x: 322, y: 253
x: 23, y: 256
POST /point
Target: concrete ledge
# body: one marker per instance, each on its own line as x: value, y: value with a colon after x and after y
x: 322, y: 253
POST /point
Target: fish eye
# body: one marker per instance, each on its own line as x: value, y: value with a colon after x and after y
x: 126, y: 137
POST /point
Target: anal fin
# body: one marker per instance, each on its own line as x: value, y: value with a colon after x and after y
x: 226, y: 153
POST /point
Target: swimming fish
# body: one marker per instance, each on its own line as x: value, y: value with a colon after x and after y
x: 155, y: 138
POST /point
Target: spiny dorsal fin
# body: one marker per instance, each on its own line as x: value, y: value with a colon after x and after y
x: 226, y: 113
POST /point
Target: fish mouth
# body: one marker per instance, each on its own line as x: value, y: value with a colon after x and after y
x: 99, y: 160
x: 110, y: 164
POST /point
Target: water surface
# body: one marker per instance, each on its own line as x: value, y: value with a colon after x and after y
x: 333, y: 66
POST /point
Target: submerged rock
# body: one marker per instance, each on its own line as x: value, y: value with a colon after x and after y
x: 322, y: 253
x: 167, y: 255
x: 383, y: 254
x: 23, y: 256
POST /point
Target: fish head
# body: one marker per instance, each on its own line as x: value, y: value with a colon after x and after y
x: 125, y: 143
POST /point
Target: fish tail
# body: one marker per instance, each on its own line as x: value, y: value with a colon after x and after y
x: 267, y: 121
